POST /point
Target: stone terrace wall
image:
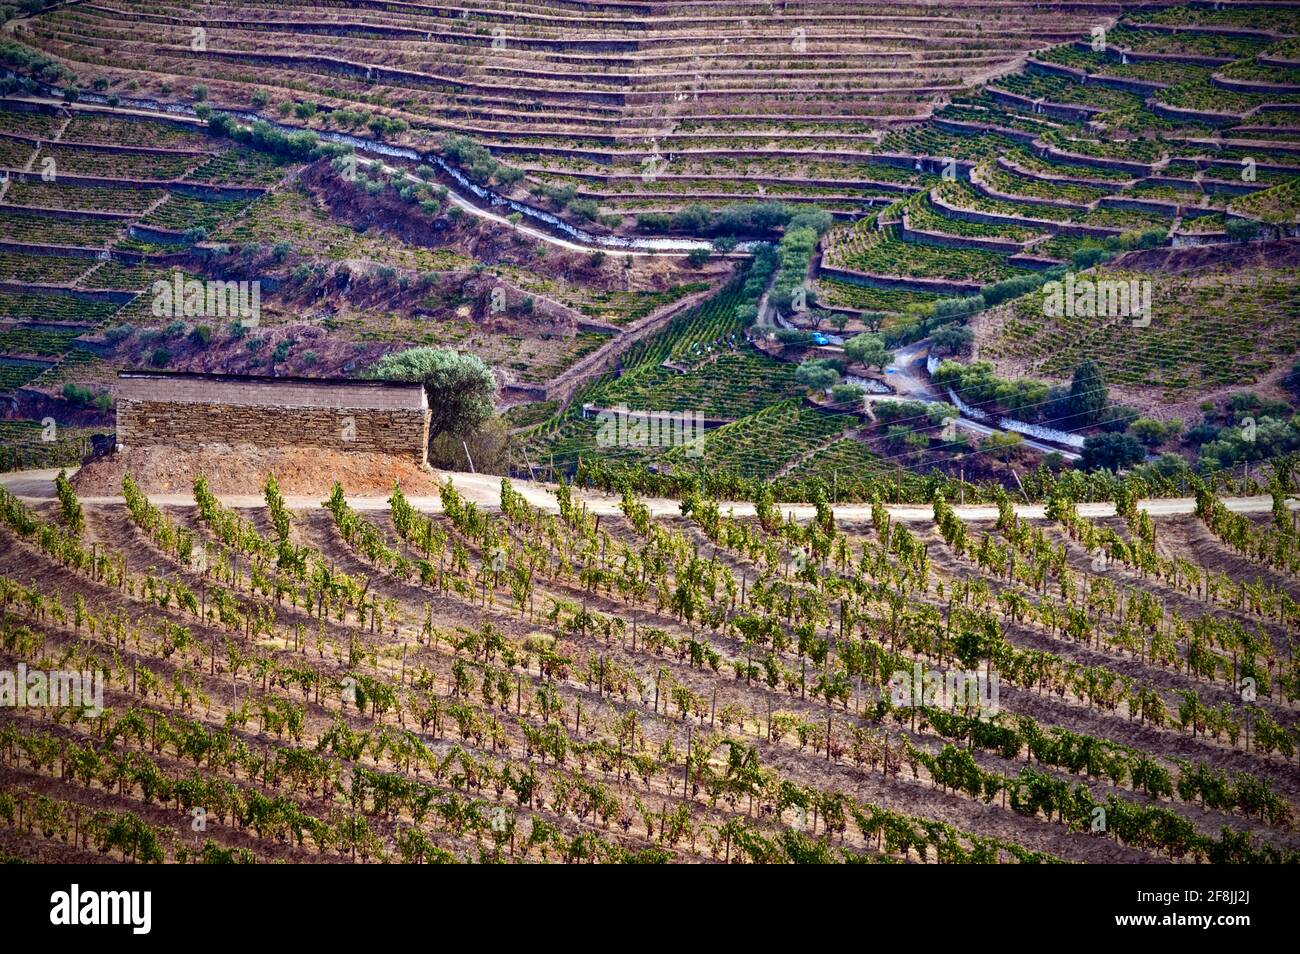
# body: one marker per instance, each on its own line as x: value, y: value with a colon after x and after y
x: 194, y: 411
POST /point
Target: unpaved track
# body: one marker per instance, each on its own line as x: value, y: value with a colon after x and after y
x: 37, y: 486
x: 900, y: 792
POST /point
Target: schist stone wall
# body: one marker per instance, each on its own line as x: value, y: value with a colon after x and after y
x: 191, y: 410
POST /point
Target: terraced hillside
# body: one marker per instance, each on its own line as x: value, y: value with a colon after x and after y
x: 474, y: 684
x: 820, y: 240
x: 713, y: 100
x: 1089, y: 138
x: 83, y: 244
x: 94, y: 208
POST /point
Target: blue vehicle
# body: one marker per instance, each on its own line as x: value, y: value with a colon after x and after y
x: 820, y: 339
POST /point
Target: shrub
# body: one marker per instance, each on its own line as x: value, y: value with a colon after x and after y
x: 695, y: 218
x: 585, y: 208
x: 952, y: 338
x: 1088, y: 256
x: 476, y: 161
x: 1001, y: 445
x: 1115, y: 418
x: 77, y: 393
x: 903, y: 436
x: 1111, y: 452
x: 1153, y: 433
x: 1242, y: 230
x: 817, y: 374
x: 1009, y: 288
x: 200, y: 335
x: 848, y: 394
x: 119, y: 333
x: 868, y: 349
x: 890, y: 412
x: 958, y: 307
x: 160, y: 357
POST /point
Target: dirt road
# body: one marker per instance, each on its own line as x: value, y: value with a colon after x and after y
x: 37, y: 486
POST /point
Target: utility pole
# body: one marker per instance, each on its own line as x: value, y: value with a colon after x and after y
x: 468, y: 458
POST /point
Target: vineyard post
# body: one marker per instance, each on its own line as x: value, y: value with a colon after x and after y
x: 1016, y: 474
x: 686, y: 774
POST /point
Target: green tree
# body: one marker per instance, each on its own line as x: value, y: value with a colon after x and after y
x: 461, y: 388
x: 868, y: 349
x: 1111, y: 451
x: 1088, y: 394
x: 816, y: 375
x: 952, y: 338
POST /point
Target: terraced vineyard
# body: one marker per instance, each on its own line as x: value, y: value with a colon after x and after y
x: 701, y: 363
x: 820, y: 239
x: 1202, y: 335
x: 705, y: 88
x: 766, y: 741
x: 76, y: 197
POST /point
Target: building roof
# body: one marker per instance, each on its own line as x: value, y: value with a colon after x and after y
x: 265, y: 390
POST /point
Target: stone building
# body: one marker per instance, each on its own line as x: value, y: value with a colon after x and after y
x: 184, y: 409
